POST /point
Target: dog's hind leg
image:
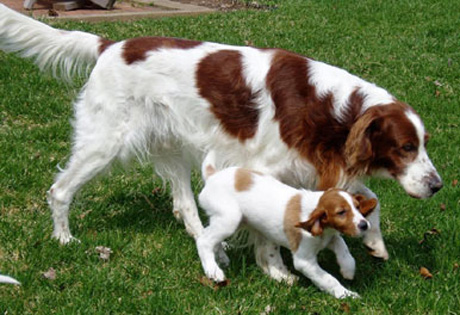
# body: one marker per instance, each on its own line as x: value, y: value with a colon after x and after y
x: 81, y: 168
x: 97, y: 142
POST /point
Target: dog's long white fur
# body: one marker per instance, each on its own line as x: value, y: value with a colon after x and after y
x: 64, y: 53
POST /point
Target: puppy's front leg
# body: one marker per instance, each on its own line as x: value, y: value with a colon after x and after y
x: 308, y: 265
x: 344, y: 259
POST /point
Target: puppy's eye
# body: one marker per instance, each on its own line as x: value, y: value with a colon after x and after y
x: 342, y: 212
x: 408, y: 147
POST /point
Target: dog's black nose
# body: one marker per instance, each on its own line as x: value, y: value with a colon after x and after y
x: 435, y: 184
x: 363, y: 225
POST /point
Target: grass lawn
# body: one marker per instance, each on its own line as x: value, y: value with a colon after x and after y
x: 410, y: 47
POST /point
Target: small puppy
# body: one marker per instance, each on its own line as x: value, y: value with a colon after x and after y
x: 303, y: 221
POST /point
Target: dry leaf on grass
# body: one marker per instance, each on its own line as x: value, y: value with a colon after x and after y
x: 442, y: 206
x: 345, y: 307
x: 104, y: 252
x: 211, y: 284
x: 454, y: 182
x: 425, y: 273
x: 50, y: 274
x: 433, y: 231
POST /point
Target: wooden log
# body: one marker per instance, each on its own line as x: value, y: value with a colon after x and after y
x: 106, y: 4
x: 28, y: 4
x: 68, y: 5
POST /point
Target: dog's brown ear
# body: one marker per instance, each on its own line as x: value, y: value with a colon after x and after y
x: 358, y: 147
x: 359, y: 198
x: 367, y: 206
x: 315, y: 223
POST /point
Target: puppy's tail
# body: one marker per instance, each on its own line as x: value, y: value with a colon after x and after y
x: 208, y: 167
x: 6, y: 279
x: 65, y: 53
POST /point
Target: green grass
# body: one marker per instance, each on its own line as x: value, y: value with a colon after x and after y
x: 409, y: 47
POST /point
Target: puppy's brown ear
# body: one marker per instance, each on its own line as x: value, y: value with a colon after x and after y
x: 315, y: 223
x: 367, y: 206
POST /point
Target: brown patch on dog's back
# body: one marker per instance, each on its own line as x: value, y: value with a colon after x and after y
x: 291, y: 218
x: 136, y: 49
x: 104, y: 44
x: 243, y: 179
x: 220, y: 81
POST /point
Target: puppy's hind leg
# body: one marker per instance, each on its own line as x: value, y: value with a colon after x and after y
x: 268, y: 257
x: 223, y: 223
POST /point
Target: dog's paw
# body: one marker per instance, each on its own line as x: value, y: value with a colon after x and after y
x: 291, y: 279
x: 347, y: 294
x: 216, y: 274
x: 65, y: 238
x: 376, y: 247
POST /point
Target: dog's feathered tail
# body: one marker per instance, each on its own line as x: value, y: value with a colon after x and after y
x: 6, y: 279
x: 65, y: 53
x: 208, y: 167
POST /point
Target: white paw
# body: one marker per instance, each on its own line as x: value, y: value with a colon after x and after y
x: 348, y: 274
x: 347, y: 294
x: 281, y: 274
x: 290, y: 279
x: 376, y: 248
x: 215, y: 274
x: 64, y: 237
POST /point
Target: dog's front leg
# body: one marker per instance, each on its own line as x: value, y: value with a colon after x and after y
x: 268, y: 257
x: 373, y: 239
x: 344, y: 259
x: 307, y: 264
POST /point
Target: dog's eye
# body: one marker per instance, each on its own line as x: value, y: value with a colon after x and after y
x: 342, y: 212
x: 408, y: 147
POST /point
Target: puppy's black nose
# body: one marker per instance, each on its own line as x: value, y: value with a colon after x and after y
x: 435, y: 184
x: 363, y: 225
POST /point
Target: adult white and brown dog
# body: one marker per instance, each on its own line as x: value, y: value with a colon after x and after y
x: 303, y: 221
x: 169, y: 101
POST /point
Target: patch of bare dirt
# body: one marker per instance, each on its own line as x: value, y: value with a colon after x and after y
x: 228, y: 5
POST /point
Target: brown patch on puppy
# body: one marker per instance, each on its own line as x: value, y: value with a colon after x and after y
x: 243, y: 179
x: 136, y: 49
x: 291, y: 218
x: 220, y: 80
